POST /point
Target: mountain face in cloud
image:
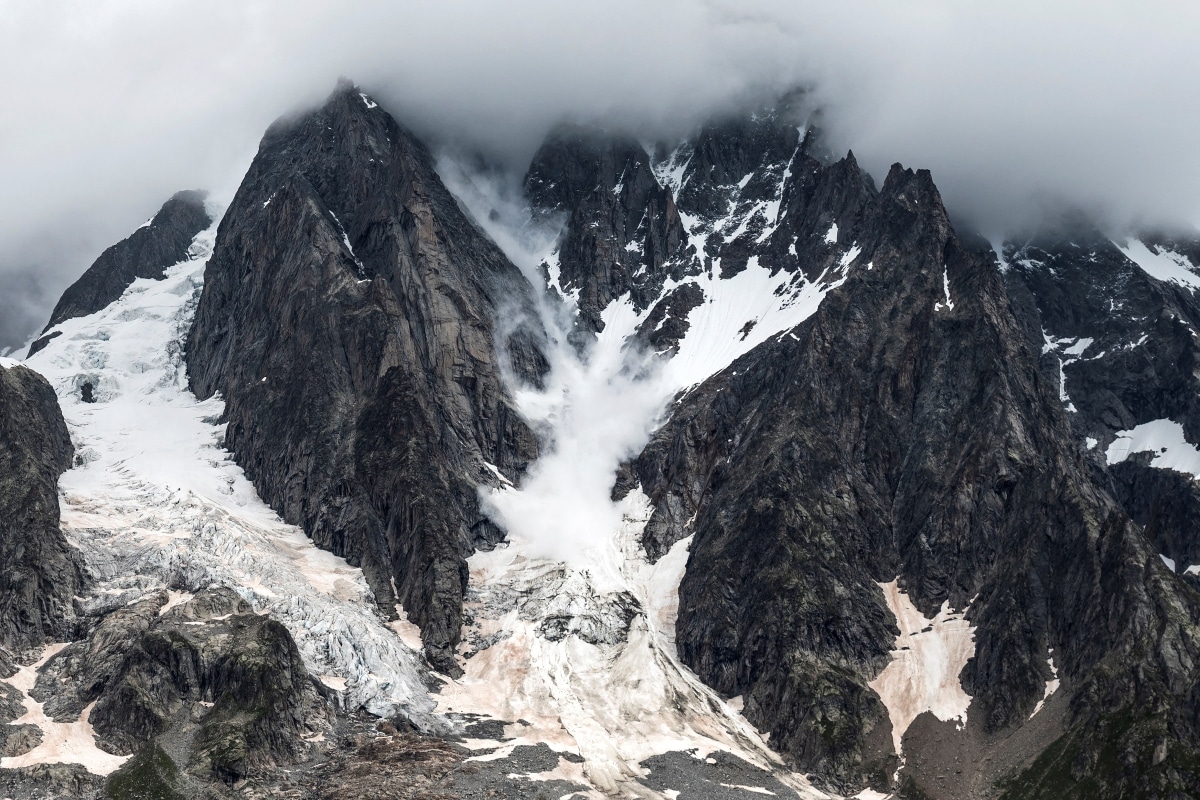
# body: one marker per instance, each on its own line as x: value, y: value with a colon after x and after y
x: 793, y: 486
x: 1012, y: 109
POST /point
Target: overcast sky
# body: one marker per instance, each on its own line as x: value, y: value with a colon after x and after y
x: 110, y: 106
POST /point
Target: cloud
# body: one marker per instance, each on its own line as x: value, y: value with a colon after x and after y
x: 113, y: 105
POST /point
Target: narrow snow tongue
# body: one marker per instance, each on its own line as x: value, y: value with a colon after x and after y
x: 357, y: 324
x: 904, y: 429
x: 163, y: 240
x: 41, y: 574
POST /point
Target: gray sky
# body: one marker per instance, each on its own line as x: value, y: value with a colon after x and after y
x: 110, y: 106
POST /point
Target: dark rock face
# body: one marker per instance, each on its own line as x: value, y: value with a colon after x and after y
x: 352, y: 319
x: 146, y: 253
x: 223, y: 687
x: 903, y: 430
x: 1122, y: 346
x: 39, y: 573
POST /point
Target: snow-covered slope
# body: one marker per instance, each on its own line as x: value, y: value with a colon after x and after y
x: 570, y: 628
x: 154, y: 502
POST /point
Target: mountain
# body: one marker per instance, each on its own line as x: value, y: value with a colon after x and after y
x: 348, y: 320
x: 162, y: 241
x: 702, y: 469
x: 903, y: 435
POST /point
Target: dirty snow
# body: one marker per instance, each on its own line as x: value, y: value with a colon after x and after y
x: 62, y: 742
x: 1051, y: 685
x: 615, y: 702
x: 926, y: 663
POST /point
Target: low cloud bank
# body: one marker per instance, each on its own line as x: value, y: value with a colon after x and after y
x: 1014, y: 108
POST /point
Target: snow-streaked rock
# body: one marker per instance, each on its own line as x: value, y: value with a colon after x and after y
x: 62, y: 742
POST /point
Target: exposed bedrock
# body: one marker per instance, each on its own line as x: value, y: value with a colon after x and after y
x: 906, y: 429
x: 39, y: 571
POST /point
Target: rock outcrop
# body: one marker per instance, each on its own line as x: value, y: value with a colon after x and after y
x: 357, y: 324
x: 39, y: 573
x: 203, y: 691
x: 1120, y: 342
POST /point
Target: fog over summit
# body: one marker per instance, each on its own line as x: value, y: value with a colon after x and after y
x: 112, y: 106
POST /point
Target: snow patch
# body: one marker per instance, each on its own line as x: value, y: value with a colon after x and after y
x: 831, y: 235
x: 751, y: 789
x: 1079, y: 346
x: 928, y: 658
x: 1170, y: 562
x: 62, y: 742
x: 949, y: 304
x: 1051, y: 685
x: 1165, y: 439
x: 8, y: 363
x: 368, y: 101
x: 1162, y: 264
x: 175, y: 598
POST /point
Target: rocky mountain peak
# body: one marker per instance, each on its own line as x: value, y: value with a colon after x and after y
x: 161, y: 241
x: 350, y: 309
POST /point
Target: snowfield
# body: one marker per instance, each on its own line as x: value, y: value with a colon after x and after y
x: 154, y: 502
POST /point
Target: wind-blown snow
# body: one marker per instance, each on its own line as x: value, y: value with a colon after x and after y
x: 155, y: 502
x: 1164, y: 265
x: 926, y: 663
x: 573, y: 631
x: 1165, y: 439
